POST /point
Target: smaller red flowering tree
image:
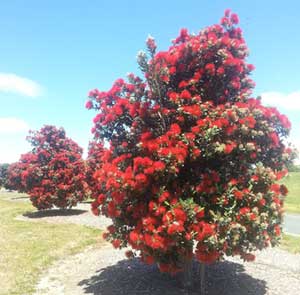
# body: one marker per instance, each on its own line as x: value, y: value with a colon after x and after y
x: 53, y: 173
x: 14, y: 174
x: 191, y: 160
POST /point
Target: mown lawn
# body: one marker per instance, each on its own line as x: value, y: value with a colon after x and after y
x: 28, y: 248
x: 290, y: 243
x: 292, y: 202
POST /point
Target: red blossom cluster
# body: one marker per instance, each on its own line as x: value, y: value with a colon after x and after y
x: 188, y: 160
x: 53, y: 173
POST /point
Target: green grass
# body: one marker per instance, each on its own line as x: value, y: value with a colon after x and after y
x: 290, y: 243
x: 28, y: 248
x: 292, y: 202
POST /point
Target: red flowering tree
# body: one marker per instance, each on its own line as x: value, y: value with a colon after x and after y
x: 14, y: 174
x: 190, y: 159
x: 53, y: 173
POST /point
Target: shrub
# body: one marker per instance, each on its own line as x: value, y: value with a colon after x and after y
x: 190, y: 160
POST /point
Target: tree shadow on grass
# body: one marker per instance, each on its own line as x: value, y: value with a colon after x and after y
x: 20, y: 198
x: 54, y: 212
x: 131, y: 277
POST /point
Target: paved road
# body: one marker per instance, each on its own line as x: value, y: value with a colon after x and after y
x: 292, y: 224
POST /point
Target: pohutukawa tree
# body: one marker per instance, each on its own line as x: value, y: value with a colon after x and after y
x: 190, y: 160
x: 14, y: 174
x: 53, y: 173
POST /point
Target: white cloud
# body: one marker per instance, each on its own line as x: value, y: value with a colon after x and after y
x: 12, y: 125
x: 12, y: 151
x: 9, y: 156
x: 289, y: 101
x: 19, y: 85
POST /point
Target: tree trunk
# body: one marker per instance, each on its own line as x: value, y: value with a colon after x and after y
x: 202, y: 278
x: 188, y: 274
x: 188, y: 278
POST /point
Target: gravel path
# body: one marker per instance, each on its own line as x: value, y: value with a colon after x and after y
x: 105, y: 271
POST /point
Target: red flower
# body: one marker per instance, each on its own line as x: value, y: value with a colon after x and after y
x: 151, y: 43
x: 163, y: 197
x: 224, y: 21
x: 141, y: 178
x: 244, y: 210
x: 134, y: 237
x: 179, y: 214
x: 173, y: 96
x: 274, y: 137
x: 227, y: 12
x: 196, y: 153
x: 89, y: 105
x: 229, y: 148
x: 185, y: 94
x: 159, y: 166
x: 205, y: 230
x: 175, y: 227
x: 210, y: 68
x: 183, y: 84
x: 238, y: 195
x: 262, y: 202
x: 116, y: 243
x: 234, y: 18
x: 277, y: 230
x: 220, y: 71
x: 207, y: 257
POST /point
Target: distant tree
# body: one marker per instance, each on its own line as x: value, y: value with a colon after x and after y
x: 292, y: 166
x: 14, y: 175
x: 190, y: 160
x: 53, y: 173
x: 3, y: 175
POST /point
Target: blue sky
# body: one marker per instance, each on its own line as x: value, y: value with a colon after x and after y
x: 53, y: 52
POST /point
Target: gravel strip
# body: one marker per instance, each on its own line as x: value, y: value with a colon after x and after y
x: 105, y: 271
